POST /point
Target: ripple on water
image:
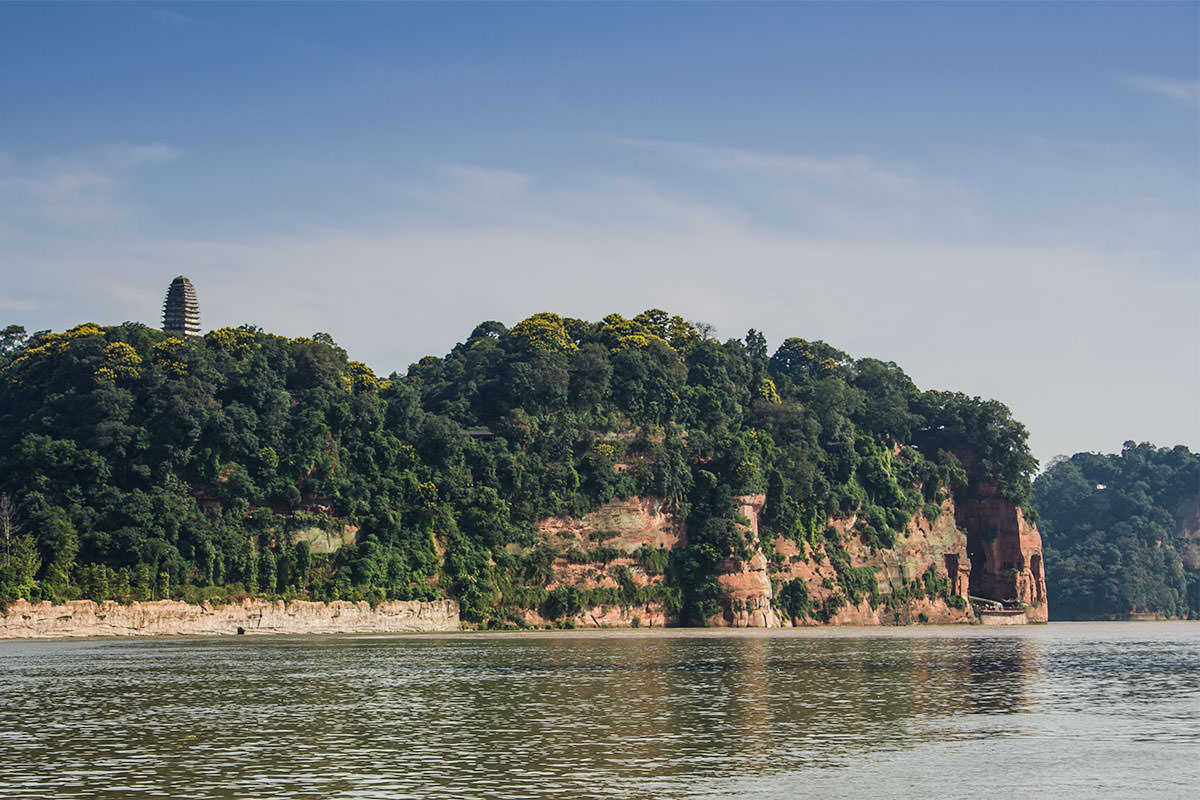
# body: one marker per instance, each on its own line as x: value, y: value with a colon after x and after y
x: 1052, y: 709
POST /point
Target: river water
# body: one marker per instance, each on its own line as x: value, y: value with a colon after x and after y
x: 1066, y: 710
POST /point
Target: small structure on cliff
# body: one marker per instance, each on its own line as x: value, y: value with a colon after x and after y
x: 181, y: 311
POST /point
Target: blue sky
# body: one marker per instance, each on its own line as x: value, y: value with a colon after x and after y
x: 1002, y: 198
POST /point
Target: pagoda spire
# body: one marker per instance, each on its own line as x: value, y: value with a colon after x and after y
x: 181, y: 312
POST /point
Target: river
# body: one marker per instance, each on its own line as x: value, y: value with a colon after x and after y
x: 1066, y: 710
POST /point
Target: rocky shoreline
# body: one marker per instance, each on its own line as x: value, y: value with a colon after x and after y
x: 85, y: 618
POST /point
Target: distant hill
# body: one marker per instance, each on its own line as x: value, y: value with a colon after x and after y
x: 137, y: 464
x: 1122, y: 533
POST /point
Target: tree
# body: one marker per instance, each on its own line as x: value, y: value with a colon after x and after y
x: 756, y: 345
x: 542, y: 332
x: 60, y: 542
x: 12, y: 338
x: 17, y: 576
x: 267, y: 575
x: 301, y: 563
x: 1117, y: 532
x: 706, y: 330
x: 7, y: 518
x: 133, y: 453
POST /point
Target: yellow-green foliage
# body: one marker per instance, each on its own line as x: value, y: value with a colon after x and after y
x: 768, y: 392
x: 543, y: 332
x: 747, y: 473
x: 231, y: 339
x: 796, y: 353
x: 675, y: 330
x: 54, y: 343
x: 171, y: 355
x: 362, y: 379
x: 120, y: 361
x: 624, y: 333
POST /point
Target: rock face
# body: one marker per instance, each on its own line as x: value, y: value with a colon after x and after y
x: 23, y: 620
x: 1005, y: 551
x: 620, y: 527
x: 634, y: 522
x: 746, y: 590
x: 1189, y: 538
x: 323, y: 541
x: 746, y: 595
x: 982, y: 547
x: 922, y: 545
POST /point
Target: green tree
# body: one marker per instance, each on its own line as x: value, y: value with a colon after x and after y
x: 301, y: 562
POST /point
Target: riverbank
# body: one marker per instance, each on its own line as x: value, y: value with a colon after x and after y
x: 85, y: 618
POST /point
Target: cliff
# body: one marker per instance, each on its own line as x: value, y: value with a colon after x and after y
x: 746, y: 590
x: 982, y: 547
x: 23, y: 620
x: 599, y: 549
x: 1189, y: 536
x: 1005, y: 551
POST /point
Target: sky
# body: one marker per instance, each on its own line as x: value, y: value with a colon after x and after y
x: 1004, y: 199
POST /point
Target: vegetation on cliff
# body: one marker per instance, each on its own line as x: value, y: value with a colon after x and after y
x: 139, y: 464
x: 1122, y: 533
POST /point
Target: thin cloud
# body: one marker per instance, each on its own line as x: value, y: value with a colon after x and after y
x: 65, y: 195
x: 485, y: 179
x: 1042, y: 329
x: 131, y: 155
x: 839, y: 196
x: 855, y: 171
x: 1182, y: 91
x: 86, y: 188
x: 18, y: 304
x: 167, y: 17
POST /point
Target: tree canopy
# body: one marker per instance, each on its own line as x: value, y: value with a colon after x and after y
x: 1121, y: 534
x: 141, y: 464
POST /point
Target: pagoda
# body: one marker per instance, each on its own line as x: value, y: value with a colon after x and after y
x: 181, y: 312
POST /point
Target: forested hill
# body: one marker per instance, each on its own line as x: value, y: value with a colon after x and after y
x: 136, y: 464
x: 1122, y: 533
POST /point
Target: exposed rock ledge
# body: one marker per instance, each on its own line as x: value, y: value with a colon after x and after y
x: 23, y: 620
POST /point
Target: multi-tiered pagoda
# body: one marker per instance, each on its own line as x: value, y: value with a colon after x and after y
x: 181, y: 312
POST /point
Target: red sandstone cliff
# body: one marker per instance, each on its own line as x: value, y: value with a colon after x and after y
x: 1005, y: 551
x: 981, y: 547
x: 624, y: 526
x: 921, y: 545
x: 746, y: 590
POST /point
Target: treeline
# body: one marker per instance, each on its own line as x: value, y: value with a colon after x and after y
x: 138, y: 464
x: 1121, y: 533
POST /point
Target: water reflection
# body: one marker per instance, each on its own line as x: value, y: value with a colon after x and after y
x: 1003, y: 674
x: 663, y: 715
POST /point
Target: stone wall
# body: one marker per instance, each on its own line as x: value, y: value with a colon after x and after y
x: 23, y: 620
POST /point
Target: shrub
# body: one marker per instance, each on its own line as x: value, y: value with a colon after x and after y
x: 563, y: 601
x: 794, y: 599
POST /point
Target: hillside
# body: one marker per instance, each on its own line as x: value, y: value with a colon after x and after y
x: 1122, y: 533
x: 556, y: 471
